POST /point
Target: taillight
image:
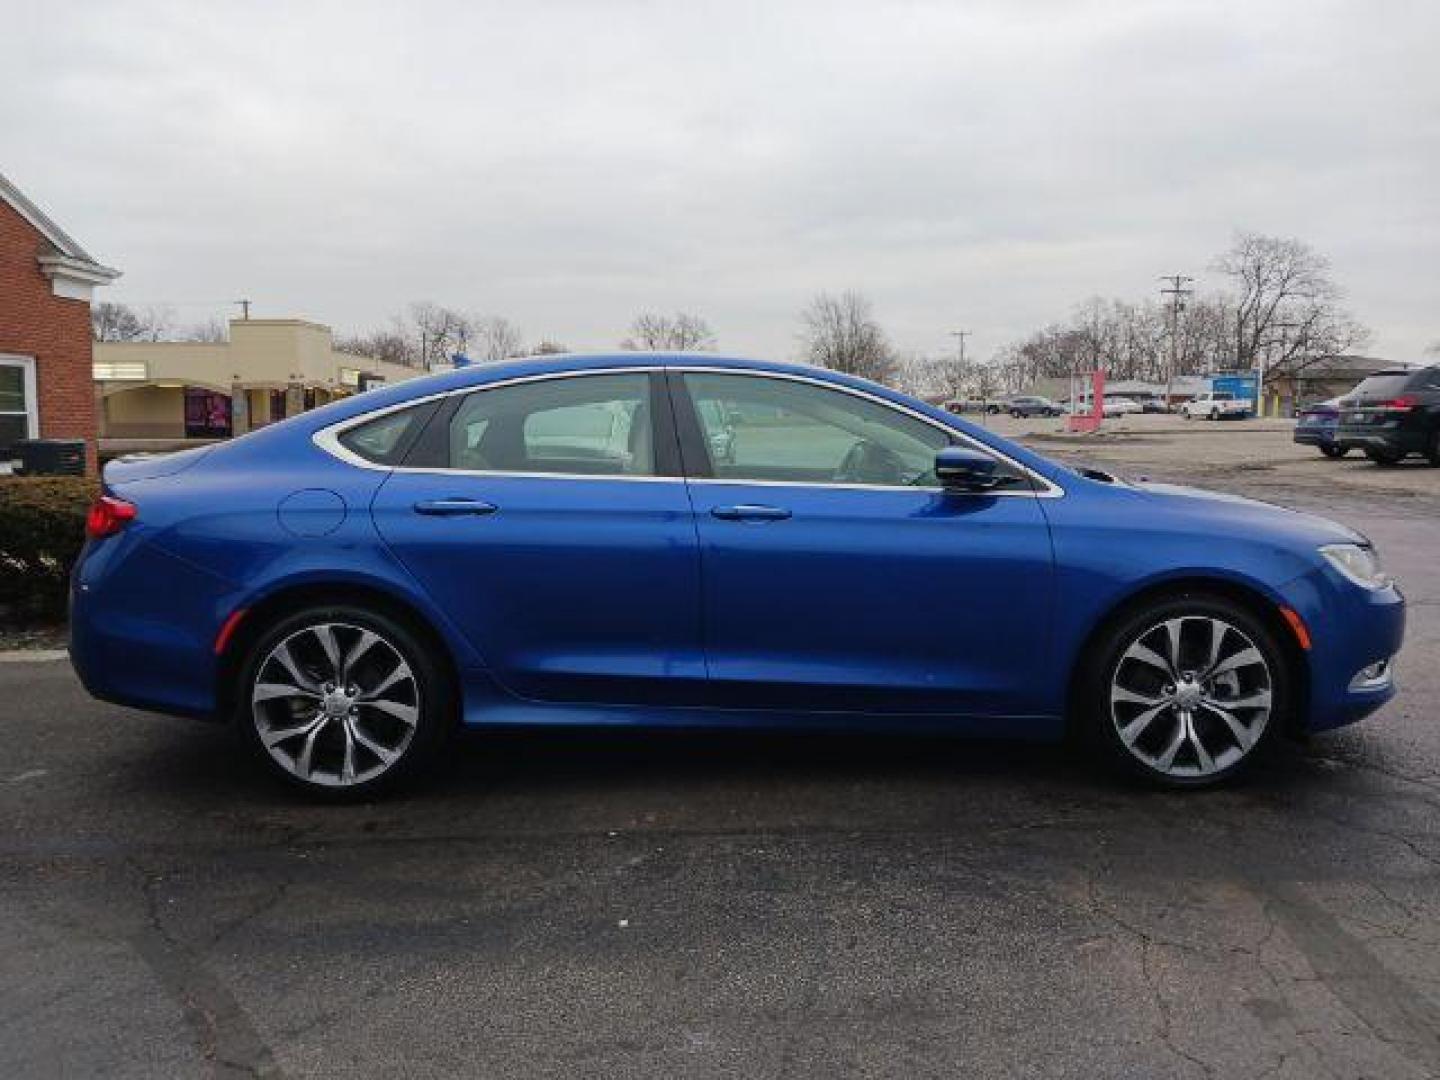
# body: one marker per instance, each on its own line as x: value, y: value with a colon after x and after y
x: 1404, y: 403
x: 108, y: 515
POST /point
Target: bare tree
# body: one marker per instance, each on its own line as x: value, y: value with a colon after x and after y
x: 1287, y: 310
x: 441, y: 332
x: 681, y: 332
x: 115, y: 322
x: 496, y: 338
x: 840, y: 333
x: 987, y: 381
x: 213, y: 330
x: 120, y: 322
x: 388, y: 345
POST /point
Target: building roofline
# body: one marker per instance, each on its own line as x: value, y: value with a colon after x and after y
x: 71, y: 255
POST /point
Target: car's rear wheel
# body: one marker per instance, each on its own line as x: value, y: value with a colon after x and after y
x: 1384, y: 457
x: 1188, y: 692
x: 343, y: 701
x: 1332, y: 451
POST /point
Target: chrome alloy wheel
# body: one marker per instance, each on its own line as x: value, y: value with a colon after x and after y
x: 335, y: 704
x: 1191, y: 696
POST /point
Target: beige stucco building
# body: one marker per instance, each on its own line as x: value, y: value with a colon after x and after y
x: 268, y: 370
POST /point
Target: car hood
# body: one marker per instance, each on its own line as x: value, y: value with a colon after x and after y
x: 1216, y: 509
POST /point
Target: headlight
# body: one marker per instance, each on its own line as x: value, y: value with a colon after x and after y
x: 1360, y: 564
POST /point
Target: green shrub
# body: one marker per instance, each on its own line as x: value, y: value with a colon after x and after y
x: 42, y: 528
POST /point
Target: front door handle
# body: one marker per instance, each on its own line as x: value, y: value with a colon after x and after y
x: 455, y: 508
x: 750, y: 512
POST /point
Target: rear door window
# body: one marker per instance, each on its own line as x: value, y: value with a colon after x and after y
x: 587, y: 425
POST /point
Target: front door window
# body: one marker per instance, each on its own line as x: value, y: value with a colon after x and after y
x: 757, y: 428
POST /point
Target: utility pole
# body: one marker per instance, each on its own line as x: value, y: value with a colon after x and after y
x: 1177, y: 293
x: 244, y: 309
x: 960, y: 336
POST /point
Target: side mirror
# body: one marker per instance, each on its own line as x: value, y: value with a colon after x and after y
x: 958, y: 468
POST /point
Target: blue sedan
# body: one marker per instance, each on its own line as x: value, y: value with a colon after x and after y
x: 559, y: 541
x: 1317, y: 425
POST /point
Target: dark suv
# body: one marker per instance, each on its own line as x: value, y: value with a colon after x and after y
x: 1393, y: 413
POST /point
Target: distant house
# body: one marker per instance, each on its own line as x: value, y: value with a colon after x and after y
x: 46, y: 281
x: 1320, y: 381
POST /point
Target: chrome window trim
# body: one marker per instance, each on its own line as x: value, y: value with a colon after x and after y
x: 328, y: 438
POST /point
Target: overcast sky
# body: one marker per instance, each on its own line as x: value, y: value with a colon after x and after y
x: 975, y: 165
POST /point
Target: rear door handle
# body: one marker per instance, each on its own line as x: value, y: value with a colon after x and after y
x: 455, y: 508
x: 750, y: 512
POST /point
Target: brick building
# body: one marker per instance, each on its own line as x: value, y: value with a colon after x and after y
x: 46, y: 281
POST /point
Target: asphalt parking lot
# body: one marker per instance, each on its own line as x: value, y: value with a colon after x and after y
x: 747, y: 906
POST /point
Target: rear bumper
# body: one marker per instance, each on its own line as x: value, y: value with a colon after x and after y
x: 144, y: 637
x: 1395, y: 440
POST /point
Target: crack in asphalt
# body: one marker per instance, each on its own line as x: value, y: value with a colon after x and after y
x: 221, y: 1028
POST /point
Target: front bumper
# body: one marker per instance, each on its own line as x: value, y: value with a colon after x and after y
x: 1350, y: 629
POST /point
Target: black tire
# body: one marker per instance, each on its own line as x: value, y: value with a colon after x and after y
x: 1384, y: 458
x: 1433, y: 453
x: 1099, y: 719
x: 1332, y: 451
x: 433, y: 698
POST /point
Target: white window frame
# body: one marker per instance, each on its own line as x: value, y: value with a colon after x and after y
x: 26, y: 364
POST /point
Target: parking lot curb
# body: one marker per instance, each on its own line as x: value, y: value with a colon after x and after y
x: 32, y: 656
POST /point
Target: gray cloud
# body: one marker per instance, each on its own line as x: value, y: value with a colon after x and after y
x: 568, y: 164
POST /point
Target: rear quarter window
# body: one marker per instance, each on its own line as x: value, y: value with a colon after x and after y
x: 385, y: 440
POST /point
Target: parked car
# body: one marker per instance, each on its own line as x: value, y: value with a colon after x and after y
x: 1216, y: 405
x: 1113, y: 406
x: 1121, y: 406
x: 1032, y: 405
x: 1154, y: 405
x: 559, y: 541
x: 1392, y: 414
x: 1316, y: 425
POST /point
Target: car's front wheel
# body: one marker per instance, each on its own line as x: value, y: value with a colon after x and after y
x: 1384, y: 457
x: 1330, y: 450
x: 343, y: 701
x: 1188, y: 692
